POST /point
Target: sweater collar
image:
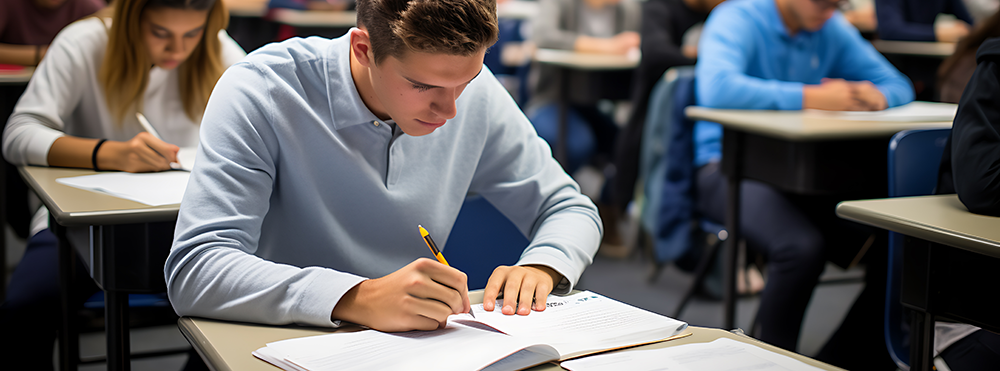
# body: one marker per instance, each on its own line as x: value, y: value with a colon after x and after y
x: 346, y: 106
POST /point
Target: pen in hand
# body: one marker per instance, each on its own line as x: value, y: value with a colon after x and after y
x: 437, y: 253
x: 149, y: 128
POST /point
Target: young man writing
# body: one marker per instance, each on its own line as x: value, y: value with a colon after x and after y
x: 789, y: 55
x: 320, y: 157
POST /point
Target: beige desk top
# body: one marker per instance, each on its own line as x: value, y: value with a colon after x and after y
x: 584, y: 61
x: 77, y: 207
x: 227, y: 345
x: 316, y: 18
x: 940, y: 218
x: 517, y: 9
x: 16, y: 77
x: 801, y: 125
x: 917, y: 48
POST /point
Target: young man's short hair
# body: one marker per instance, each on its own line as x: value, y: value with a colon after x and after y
x: 455, y: 27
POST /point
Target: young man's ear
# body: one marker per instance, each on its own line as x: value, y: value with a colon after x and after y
x: 361, y: 46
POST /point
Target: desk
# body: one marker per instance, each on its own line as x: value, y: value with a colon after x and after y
x: 315, y: 18
x: 915, y: 48
x: 16, y: 77
x: 227, y: 345
x: 586, y: 78
x: 120, y: 236
x: 948, y: 251
x: 799, y: 153
x: 517, y: 9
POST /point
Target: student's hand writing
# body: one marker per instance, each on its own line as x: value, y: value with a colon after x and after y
x: 142, y: 153
x: 522, y: 286
x: 419, y: 296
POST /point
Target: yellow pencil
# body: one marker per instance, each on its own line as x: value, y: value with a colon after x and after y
x: 437, y: 253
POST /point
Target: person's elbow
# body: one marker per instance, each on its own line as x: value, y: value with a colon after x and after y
x: 981, y: 195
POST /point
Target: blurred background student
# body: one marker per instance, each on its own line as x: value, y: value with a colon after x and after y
x: 664, y: 26
x: 584, y: 26
x: 27, y: 27
x: 956, y: 71
x: 158, y: 57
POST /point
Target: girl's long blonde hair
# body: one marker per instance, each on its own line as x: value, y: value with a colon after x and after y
x: 124, y: 74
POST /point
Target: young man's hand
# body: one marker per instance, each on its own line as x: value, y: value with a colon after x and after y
x: 419, y: 296
x: 868, y: 96
x: 524, y: 288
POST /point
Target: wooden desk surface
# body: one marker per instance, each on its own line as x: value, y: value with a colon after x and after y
x: 939, y: 218
x: 585, y: 61
x: 72, y: 206
x: 917, y: 48
x: 803, y: 126
x: 316, y: 18
x: 16, y: 77
x: 227, y: 345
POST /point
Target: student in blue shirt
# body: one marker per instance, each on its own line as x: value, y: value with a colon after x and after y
x: 783, y: 55
x: 318, y: 159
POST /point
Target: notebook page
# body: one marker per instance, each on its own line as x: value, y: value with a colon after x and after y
x: 912, y: 112
x: 584, y: 322
x: 456, y: 347
x: 720, y: 355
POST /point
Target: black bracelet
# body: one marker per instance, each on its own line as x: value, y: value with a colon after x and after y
x: 93, y: 156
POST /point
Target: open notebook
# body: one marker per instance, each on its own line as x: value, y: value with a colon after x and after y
x: 572, y: 326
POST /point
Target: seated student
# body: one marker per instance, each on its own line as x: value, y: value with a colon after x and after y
x: 586, y: 26
x: 913, y: 20
x: 968, y: 168
x: 956, y: 71
x: 27, y: 27
x: 783, y: 55
x: 319, y: 158
x: 79, y: 111
x: 664, y: 24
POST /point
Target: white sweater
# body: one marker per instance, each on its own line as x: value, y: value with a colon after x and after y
x: 65, y: 97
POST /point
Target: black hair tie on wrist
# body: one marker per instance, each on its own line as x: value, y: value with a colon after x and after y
x: 93, y: 156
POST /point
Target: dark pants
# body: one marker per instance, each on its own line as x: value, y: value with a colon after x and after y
x: 978, y: 351
x: 30, y: 317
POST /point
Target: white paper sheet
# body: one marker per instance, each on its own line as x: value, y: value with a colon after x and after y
x: 912, y: 112
x: 720, y: 355
x: 154, y: 189
x: 186, y: 156
x: 583, y: 322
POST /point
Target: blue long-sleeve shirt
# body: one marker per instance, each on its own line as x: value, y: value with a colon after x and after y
x: 300, y: 192
x: 913, y: 20
x: 748, y: 60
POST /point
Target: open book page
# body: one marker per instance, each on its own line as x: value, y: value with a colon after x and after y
x: 721, y: 355
x: 583, y: 323
x: 912, y: 112
x: 456, y: 347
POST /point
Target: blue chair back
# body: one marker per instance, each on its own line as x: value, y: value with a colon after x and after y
x: 914, y: 156
x: 482, y: 239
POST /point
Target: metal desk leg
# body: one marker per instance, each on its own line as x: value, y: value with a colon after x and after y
x: 69, y: 348
x: 921, y: 341
x: 732, y: 167
x: 116, y: 328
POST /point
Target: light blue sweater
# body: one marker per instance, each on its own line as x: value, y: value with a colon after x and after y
x: 747, y: 60
x: 300, y: 192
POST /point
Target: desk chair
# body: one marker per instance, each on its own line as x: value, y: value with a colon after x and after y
x: 482, y: 239
x: 913, y: 158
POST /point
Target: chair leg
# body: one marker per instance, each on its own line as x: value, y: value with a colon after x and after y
x: 704, y: 265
